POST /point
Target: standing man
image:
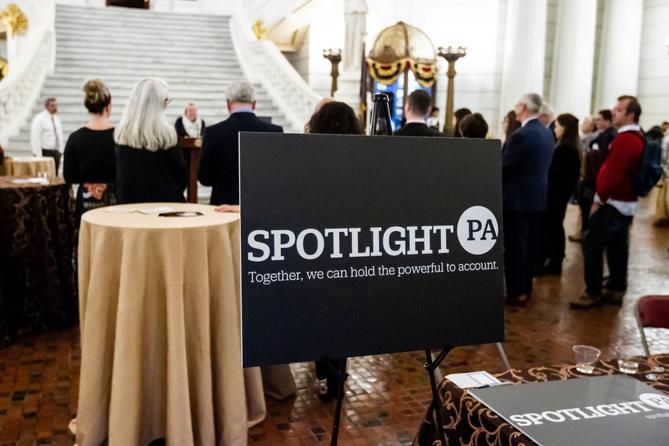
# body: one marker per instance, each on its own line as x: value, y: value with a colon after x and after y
x: 46, y: 134
x: 525, y: 164
x: 594, y: 154
x: 220, y: 157
x: 606, y: 131
x: 416, y: 110
x: 612, y: 211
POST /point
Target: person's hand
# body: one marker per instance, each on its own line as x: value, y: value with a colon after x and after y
x: 594, y: 208
x: 227, y: 208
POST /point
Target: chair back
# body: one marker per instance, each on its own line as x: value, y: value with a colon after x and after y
x: 651, y: 312
x: 654, y: 311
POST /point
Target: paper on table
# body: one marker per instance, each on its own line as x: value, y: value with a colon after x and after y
x: 42, y: 181
x: 474, y: 379
x: 145, y: 211
x: 149, y: 211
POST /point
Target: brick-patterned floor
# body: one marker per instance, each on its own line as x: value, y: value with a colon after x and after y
x: 386, y: 395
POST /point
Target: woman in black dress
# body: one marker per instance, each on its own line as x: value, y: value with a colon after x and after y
x: 90, y: 159
x: 562, y: 177
x: 149, y: 164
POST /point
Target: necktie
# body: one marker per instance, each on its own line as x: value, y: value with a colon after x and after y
x: 55, y: 133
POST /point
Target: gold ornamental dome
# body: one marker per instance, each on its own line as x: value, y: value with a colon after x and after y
x: 399, y: 47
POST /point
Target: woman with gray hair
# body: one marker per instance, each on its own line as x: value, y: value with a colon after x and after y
x: 149, y: 164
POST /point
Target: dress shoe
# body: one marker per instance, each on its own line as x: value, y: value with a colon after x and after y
x: 518, y: 301
x: 585, y: 301
x: 612, y: 297
x: 324, y: 392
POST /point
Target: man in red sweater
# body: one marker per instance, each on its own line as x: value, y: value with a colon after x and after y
x: 612, y: 210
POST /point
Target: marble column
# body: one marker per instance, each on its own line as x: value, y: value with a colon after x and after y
x: 619, y: 51
x: 573, y: 57
x: 524, y: 51
x: 355, y: 18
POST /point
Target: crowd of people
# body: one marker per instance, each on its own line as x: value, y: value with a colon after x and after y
x: 547, y: 162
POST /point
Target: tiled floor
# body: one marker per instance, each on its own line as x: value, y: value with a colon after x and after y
x: 386, y: 395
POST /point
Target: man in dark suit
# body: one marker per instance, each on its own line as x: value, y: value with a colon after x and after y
x: 525, y: 163
x: 219, y: 160
x: 416, y: 110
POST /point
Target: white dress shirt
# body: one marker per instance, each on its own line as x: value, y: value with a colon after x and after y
x: 528, y: 119
x: 46, y: 133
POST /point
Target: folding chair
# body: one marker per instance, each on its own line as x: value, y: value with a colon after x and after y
x: 651, y: 312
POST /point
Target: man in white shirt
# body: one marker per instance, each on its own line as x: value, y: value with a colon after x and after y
x: 46, y: 135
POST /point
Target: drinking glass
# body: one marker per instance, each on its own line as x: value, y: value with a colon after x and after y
x: 628, y: 360
x: 585, y: 356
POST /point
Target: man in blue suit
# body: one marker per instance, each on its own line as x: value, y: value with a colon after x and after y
x: 525, y: 163
x: 220, y: 156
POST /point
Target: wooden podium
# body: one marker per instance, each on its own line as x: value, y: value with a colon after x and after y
x: 191, y: 148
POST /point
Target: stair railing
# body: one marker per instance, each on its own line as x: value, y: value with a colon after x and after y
x: 262, y: 62
x: 21, y: 88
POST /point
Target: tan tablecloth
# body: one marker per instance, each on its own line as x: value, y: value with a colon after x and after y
x: 160, y: 330
x: 28, y: 167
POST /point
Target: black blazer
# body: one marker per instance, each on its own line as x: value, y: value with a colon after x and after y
x: 219, y: 162
x: 417, y: 129
x: 181, y: 131
x: 604, y: 140
x: 525, y: 163
x: 150, y: 176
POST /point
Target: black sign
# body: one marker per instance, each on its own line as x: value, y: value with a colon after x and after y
x: 599, y: 411
x: 357, y: 245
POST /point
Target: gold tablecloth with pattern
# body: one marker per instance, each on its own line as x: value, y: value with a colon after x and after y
x: 468, y: 422
x: 28, y: 167
x: 160, y: 330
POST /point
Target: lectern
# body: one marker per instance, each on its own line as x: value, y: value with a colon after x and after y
x: 191, y: 149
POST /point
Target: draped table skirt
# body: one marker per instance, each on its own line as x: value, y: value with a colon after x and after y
x: 37, y: 242
x: 160, y: 330
x: 467, y: 421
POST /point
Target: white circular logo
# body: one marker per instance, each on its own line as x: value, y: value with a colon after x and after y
x: 655, y: 400
x: 478, y: 230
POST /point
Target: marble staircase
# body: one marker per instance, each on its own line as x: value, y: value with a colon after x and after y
x: 193, y: 53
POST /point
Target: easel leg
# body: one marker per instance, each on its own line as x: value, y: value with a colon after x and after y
x: 430, y: 366
x: 341, y: 380
x: 502, y: 354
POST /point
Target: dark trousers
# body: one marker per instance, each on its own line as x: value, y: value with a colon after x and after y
x: 521, y: 237
x: 609, y: 229
x: 554, y: 232
x: 585, y: 198
x: 55, y: 154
